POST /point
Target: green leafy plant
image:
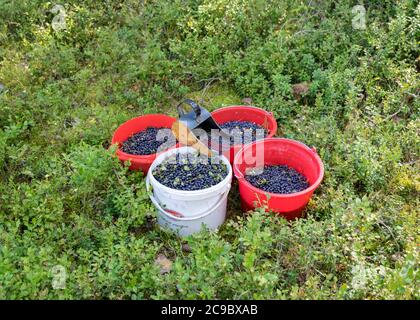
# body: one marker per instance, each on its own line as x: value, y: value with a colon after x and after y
x: 75, y: 223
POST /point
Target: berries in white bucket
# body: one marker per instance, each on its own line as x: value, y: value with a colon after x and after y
x: 190, y: 171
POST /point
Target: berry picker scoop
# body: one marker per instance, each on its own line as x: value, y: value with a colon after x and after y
x: 197, y: 118
x: 187, y: 138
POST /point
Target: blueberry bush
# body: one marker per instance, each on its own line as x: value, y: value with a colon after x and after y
x: 75, y: 224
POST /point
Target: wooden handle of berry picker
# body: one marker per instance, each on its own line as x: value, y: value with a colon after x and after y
x: 184, y: 135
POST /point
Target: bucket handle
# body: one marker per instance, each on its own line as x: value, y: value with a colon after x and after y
x: 239, y: 175
x: 174, y: 214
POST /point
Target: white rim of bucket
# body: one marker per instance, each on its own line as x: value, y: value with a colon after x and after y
x: 156, y: 202
x: 312, y: 187
x: 202, y: 192
x: 202, y: 215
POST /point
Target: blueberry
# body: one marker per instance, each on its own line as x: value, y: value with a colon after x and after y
x: 146, y: 142
x: 278, y: 179
x: 243, y: 131
x: 189, y: 172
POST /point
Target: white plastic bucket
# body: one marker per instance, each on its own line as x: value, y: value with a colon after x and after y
x: 187, y: 203
x: 194, y: 208
x: 211, y: 219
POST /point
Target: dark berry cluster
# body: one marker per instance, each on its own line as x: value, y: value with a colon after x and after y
x: 148, y: 141
x: 277, y: 179
x: 190, y: 172
x: 243, y: 131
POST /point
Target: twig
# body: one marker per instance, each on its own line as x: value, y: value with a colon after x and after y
x: 411, y: 94
x: 392, y: 115
x: 211, y: 80
x: 410, y: 162
x: 380, y: 222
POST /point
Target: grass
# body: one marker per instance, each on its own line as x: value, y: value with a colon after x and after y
x: 75, y: 224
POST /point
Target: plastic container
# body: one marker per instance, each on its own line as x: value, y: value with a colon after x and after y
x: 245, y: 113
x: 127, y: 129
x: 211, y: 219
x: 278, y: 151
x: 188, y: 204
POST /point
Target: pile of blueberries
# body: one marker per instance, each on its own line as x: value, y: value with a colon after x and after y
x: 243, y: 131
x: 277, y: 179
x: 146, y: 142
x: 190, y: 171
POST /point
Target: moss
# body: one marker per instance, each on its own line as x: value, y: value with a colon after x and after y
x: 215, y: 96
x: 67, y: 204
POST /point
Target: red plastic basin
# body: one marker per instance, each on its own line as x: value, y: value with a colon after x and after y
x: 245, y: 113
x: 127, y: 129
x: 278, y: 151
